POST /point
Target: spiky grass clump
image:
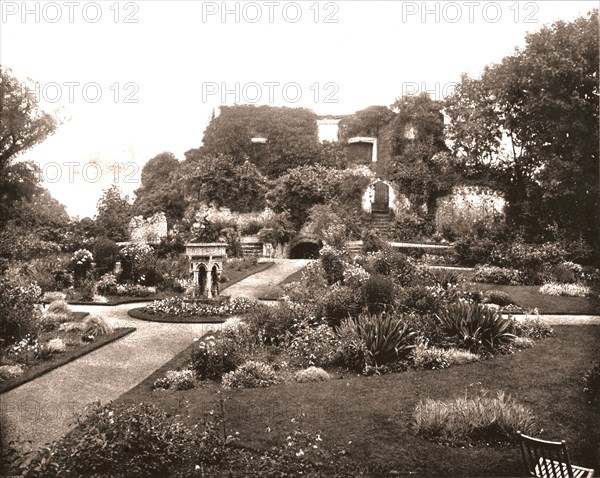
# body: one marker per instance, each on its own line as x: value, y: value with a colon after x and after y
x: 465, y: 421
x: 95, y: 326
x: 59, y: 307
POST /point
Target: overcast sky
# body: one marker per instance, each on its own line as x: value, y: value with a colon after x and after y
x: 133, y: 79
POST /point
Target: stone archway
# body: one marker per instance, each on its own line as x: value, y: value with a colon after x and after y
x: 305, y: 246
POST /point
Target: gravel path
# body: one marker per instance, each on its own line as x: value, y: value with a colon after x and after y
x: 43, y: 410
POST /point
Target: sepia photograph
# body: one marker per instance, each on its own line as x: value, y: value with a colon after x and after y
x: 311, y: 238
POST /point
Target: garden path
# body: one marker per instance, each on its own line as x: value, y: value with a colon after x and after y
x: 42, y: 410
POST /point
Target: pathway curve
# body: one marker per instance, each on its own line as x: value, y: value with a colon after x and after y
x: 260, y: 284
x: 42, y: 410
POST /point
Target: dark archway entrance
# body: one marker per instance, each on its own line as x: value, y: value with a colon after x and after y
x: 305, y: 250
x: 382, y: 197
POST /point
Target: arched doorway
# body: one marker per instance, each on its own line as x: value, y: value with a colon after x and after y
x: 305, y: 250
x: 381, y: 198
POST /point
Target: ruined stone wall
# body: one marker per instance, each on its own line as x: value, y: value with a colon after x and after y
x: 150, y: 230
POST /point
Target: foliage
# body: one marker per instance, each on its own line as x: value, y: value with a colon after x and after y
x: 159, y: 191
x: 367, y: 122
x: 436, y: 358
x: 470, y: 251
x: 114, y: 214
x: 59, y: 307
x: 445, y: 277
x: 217, y: 355
x: 105, y: 253
x: 475, y: 327
x: 20, y: 312
x: 498, y: 275
x: 51, y: 320
x: 176, y: 380
x: 82, y: 263
x: 379, y: 294
x: 223, y: 180
x: 139, y: 265
x: 333, y: 264
x: 87, y: 290
x: 411, y: 227
x: 512, y: 120
x: 313, y: 344
x: 11, y: 371
x: 466, y: 421
x: 176, y: 306
x: 420, y: 298
x: 120, y: 440
x: 107, y: 284
x: 591, y: 381
x: 95, y: 326
x: 386, y: 336
x: 251, y: 374
x: 311, y: 374
x: 371, y: 241
x: 535, y: 329
x: 498, y: 297
x: 569, y: 290
x: 24, y: 125
x: 292, y: 136
x: 341, y: 302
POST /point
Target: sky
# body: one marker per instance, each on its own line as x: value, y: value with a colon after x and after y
x: 131, y: 79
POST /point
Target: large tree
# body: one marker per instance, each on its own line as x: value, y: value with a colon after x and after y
x: 223, y: 181
x: 23, y: 124
x: 114, y: 214
x: 420, y: 163
x: 161, y: 190
x: 534, y: 119
x: 291, y: 137
x: 367, y: 122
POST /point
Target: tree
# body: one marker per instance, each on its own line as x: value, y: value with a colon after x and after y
x: 160, y: 189
x: 367, y: 122
x: 420, y: 164
x: 114, y: 214
x: 291, y: 137
x: 23, y: 124
x: 534, y: 118
x: 221, y: 180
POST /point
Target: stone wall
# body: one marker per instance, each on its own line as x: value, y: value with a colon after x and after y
x: 468, y: 204
x: 150, y: 230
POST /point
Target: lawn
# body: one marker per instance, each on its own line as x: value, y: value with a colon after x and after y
x: 369, y: 418
x: 528, y: 297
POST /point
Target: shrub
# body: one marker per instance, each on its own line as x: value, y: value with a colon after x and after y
x: 71, y: 327
x: 341, y: 302
x: 498, y: 275
x: 87, y: 290
x: 475, y: 326
x: 427, y: 327
x: 217, y: 355
x: 106, y: 253
x: 372, y: 242
x: 177, y: 380
x: 139, y: 265
x: 436, y: 358
x: 95, y: 326
x: 251, y: 374
x: 420, y: 298
x: 11, y: 371
x: 107, y: 284
x: 470, y: 251
x: 535, y: 329
x: 314, y: 344
x: 379, y: 293
x: 118, y: 440
x: 311, y: 374
x: 465, y: 421
x: 444, y: 277
x: 59, y: 307
x: 271, y: 323
x: 20, y: 312
x: 82, y: 263
x: 50, y: 321
x: 57, y: 345
x: 498, y: 297
x: 591, y: 381
x: 385, y: 336
x: 333, y: 265
x: 569, y: 290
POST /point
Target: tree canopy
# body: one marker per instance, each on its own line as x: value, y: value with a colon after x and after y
x: 291, y: 137
x: 114, y: 214
x: 534, y: 119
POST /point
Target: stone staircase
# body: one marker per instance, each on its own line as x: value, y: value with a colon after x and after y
x: 380, y: 221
